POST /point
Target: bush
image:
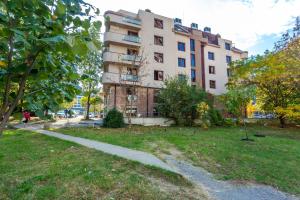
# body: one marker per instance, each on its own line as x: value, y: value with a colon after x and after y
x: 215, y: 117
x: 228, y: 122
x: 113, y: 119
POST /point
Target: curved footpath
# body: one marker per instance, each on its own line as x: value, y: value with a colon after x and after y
x: 221, y: 190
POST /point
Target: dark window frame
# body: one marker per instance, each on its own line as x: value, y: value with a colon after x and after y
x: 211, y: 69
x: 193, y: 60
x: 179, y: 62
x: 157, y: 75
x: 180, y: 45
x: 193, y: 72
x: 212, y: 84
x: 227, y: 46
x: 192, y: 44
x: 211, y: 55
x: 156, y: 38
x: 159, y: 54
x: 228, y: 59
x: 158, y: 23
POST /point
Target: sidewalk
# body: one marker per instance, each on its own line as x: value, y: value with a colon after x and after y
x: 139, y: 156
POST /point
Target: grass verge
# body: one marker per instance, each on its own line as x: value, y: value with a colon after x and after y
x: 272, y: 160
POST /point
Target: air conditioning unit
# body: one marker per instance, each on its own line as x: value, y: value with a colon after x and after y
x: 207, y: 29
x: 194, y: 26
x: 177, y: 21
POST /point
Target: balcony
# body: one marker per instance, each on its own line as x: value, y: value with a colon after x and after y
x: 120, y: 39
x: 129, y: 77
x: 126, y: 22
x: 116, y: 78
x: 113, y: 57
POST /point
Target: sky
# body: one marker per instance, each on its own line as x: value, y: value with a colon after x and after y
x: 252, y: 25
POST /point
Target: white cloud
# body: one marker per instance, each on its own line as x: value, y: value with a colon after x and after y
x: 242, y: 21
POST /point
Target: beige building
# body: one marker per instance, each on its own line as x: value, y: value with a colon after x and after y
x: 144, y: 49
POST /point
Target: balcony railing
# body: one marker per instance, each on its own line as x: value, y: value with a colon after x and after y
x: 132, y: 21
x: 132, y: 38
x: 129, y: 77
x: 131, y: 58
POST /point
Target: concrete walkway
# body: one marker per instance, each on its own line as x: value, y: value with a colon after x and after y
x: 139, y: 156
x: 220, y: 190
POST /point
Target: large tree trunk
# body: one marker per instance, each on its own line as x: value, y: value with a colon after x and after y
x: 88, y: 107
x: 282, y: 121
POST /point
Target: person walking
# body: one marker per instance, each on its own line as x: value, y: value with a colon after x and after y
x: 26, y: 117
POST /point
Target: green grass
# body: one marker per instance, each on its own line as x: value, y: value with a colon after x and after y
x: 34, y: 166
x: 273, y: 160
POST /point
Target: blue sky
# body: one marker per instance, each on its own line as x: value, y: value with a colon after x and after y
x: 252, y: 25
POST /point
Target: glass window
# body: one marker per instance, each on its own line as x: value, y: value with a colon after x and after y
x: 193, y: 60
x: 158, y: 40
x: 212, y: 69
x: 211, y: 56
x: 181, y: 77
x: 181, y: 46
x: 227, y: 46
x: 158, y: 75
x: 228, y: 59
x: 192, y: 44
x: 158, y: 23
x: 158, y: 57
x: 193, y: 75
x: 181, y: 62
x: 212, y: 84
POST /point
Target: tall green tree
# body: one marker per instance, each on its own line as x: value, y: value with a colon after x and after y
x: 40, y: 41
x: 275, y: 75
x: 90, y: 69
x: 178, y: 100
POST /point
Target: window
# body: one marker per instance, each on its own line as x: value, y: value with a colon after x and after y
x: 227, y: 46
x: 158, y: 75
x: 155, y: 96
x: 181, y: 46
x: 228, y: 59
x: 158, y: 57
x: 181, y: 77
x: 192, y: 44
x: 211, y: 56
x: 181, y: 62
x: 212, y: 69
x: 132, y: 52
x: 193, y: 75
x: 158, y: 40
x: 132, y: 33
x: 131, y: 71
x: 228, y: 72
x: 212, y: 84
x: 193, y: 60
x: 158, y: 23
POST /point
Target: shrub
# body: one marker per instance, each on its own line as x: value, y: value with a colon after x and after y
x: 114, y: 119
x: 215, y: 117
x: 228, y: 122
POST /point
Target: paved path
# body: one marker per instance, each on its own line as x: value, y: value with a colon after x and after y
x: 224, y: 190
x: 221, y: 190
x: 139, y: 156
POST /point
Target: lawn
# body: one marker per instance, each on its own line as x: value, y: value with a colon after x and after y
x: 34, y: 166
x: 272, y: 160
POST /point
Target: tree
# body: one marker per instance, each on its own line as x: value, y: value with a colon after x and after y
x: 37, y: 39
x: 90, y: 68
x: 178, y: 100
x: 95, y: 102
x: 275, y: 75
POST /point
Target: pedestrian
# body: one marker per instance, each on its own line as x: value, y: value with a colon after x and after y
x: 26, y: 117
x: 66, y: 113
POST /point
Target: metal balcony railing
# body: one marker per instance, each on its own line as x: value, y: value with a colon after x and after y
x: 131, y: 58
x: 132, y: 38
x: 132, y: 21
x: 129, y: 77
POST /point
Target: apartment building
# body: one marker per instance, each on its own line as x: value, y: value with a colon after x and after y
x: 144, y: 49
